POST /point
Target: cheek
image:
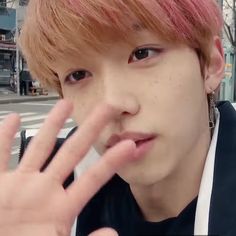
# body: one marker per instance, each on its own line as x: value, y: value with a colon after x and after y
x: 83, y: 101
x: 176, y: 96
x: 179, y: 82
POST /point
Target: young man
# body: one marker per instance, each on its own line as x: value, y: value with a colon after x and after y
x: 155, y: 65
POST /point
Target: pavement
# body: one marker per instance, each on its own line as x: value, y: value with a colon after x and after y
x: 8, y: 96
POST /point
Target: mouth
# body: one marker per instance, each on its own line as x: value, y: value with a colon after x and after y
x: 143, y: 141
x: 143, y: 147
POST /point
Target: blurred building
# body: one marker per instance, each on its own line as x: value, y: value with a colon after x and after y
x: 7, y: 41
x: 228, y: 86
x: 11, y: 18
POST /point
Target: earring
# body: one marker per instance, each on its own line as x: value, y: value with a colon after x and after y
x: 212, y: 105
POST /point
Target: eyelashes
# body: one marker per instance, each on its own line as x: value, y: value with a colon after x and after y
x: 144, y: 53
x: 78, y: 75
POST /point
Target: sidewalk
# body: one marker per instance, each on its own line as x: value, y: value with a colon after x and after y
x: 7, y: 96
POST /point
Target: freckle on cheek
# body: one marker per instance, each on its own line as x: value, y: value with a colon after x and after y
x: 156, y: 82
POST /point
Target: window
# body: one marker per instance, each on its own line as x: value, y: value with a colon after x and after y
x: 3, y: 3
x: 2, y: 37
x: 5, y: 62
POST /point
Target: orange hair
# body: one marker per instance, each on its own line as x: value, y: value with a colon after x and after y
x: 55, y: 27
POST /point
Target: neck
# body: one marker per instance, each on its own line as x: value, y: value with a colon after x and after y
x: 169, y: 196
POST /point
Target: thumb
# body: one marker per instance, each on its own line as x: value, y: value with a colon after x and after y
x: 104, y: 232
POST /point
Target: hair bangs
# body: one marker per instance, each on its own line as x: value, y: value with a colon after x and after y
x: 54, y: 28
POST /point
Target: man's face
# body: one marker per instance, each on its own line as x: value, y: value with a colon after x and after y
x: 158, y: 89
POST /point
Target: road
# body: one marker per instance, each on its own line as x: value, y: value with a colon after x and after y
x: 32, y: 116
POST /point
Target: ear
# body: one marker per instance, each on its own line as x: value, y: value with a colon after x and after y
x: 214, y: 73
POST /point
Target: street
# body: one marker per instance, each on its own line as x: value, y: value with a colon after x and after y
x: 32, y: 116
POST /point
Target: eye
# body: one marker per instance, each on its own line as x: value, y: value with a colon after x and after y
x: 144, y: 53
x: 77, y: 76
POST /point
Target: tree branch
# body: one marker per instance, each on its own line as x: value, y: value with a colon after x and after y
x: 229, y: 33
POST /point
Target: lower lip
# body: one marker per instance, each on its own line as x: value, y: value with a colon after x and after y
x: 143, y: 148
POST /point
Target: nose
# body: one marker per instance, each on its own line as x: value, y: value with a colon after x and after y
x: 121, y: 95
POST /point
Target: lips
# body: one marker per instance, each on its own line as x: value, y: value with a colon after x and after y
x: 138, y: 138
x: 140, y: 142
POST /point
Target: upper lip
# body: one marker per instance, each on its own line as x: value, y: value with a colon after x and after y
x: 135, y: 136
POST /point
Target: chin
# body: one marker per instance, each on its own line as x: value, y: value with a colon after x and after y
x: 142, y: 176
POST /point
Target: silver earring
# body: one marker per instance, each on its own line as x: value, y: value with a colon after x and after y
x: 212, y: 105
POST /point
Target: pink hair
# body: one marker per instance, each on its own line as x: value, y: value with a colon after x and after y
x: 181, y: 18
x: 53, y: 28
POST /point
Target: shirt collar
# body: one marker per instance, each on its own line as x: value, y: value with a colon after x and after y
x: 204, y: 197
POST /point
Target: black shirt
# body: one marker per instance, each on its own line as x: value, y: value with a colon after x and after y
x: 114, y: 206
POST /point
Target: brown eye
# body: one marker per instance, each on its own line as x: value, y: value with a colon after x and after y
x: 78, y: 75
x: 143, y: 53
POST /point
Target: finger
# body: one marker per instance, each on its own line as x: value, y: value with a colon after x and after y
x: 76, y: 147
x: 104, y: 232
x: 43, y: 143
x: 96, y: 176
x: 8, y: 130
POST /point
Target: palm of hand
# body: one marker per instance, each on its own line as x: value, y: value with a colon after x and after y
x: 42, y: 200
x: 30, y: 197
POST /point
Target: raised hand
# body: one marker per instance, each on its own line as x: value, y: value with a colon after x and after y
x: 34, y: 202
